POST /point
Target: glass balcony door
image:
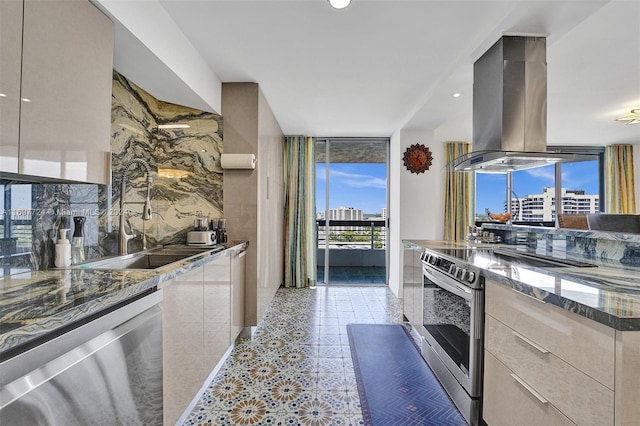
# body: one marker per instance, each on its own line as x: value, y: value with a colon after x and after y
x: 351, y: 219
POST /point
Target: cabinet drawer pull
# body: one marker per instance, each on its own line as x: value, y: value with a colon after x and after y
x: 530, y: 342
x: 528, y: 295
x: 533, y: 392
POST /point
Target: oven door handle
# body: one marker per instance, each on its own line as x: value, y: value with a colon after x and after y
x: 447, y: 284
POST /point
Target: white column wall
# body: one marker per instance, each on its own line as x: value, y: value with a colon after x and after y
x: 393, y: 215
x: 415, y: 200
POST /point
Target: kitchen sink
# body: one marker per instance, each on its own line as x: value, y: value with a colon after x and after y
x: 538, y: 260
x: 184, y: 250
x: 151, y: 259
x: 145, y: 261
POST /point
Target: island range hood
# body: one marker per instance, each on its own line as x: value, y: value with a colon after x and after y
x: 510, y: 109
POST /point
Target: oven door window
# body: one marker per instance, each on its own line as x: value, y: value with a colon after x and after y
x: 447, y: 318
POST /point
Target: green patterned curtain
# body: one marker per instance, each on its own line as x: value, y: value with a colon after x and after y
x: 459, y: 195
x: 300, y: 212
x: 620, y: 193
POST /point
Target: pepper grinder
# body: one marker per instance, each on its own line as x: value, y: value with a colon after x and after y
x: 222, y: 230
x: 77, y: 245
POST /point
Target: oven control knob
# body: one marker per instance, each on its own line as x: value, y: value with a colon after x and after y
x: 433, y: 260
x: 452, y: 269
x: 463, y: 274
x: 471, y: 276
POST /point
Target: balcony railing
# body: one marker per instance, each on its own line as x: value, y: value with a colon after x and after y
x: 352, y: 234
x: 352, y: 243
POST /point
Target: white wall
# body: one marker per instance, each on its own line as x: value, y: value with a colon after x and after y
x: 415, y: 200
x: 155, y: 53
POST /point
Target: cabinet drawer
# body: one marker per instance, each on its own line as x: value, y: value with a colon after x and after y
x: 583, y: 343
x: 508, y: 403
x: 581, y: 398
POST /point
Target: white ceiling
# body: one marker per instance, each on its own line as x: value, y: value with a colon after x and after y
x: 383, y: 65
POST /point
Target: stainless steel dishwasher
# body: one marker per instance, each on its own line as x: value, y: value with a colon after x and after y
x: 105, y: 372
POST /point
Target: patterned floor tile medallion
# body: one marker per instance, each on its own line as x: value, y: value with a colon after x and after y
x: 297, y: 368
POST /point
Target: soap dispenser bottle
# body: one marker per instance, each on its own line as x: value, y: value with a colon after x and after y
x: 63, y: 249
x: 77, y: 244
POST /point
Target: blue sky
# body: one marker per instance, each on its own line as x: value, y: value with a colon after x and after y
x: 491, y: 188
x: 363, y: 186
x: 358, y: 185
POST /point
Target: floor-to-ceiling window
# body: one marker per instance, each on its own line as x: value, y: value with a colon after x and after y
x: 532, y: 192
x: 351, y: 206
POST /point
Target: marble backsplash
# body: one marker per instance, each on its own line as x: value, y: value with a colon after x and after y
x: 617, y: 247
x: 186, y: 173
x: 185, y: 163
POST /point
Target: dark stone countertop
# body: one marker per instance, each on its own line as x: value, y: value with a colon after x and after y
x: 608, y: 293
x: 36, y: 304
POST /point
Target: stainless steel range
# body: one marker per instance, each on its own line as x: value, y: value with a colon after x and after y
x: 453, y: 326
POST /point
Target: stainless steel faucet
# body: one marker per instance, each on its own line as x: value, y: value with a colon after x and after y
x: 146, y: 213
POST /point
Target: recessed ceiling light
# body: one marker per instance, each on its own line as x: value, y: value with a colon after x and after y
x: 3, y: 95
x: 173, y: 126
x: 339, y: 4
x: 25, y: 99
x: 456, y: 94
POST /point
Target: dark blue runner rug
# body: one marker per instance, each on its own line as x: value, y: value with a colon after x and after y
x: 395, y: 384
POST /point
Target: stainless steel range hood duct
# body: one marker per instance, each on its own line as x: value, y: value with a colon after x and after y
x: 510, y: 109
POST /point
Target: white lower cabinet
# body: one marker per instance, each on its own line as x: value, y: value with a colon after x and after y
x: 546, y: 366
x: 585, y: 344
x: 627, y: 378
x: 412, y: 285
x: 578, y: 396
x: 238, y: 263
x: 418, y: 296
x: 407, y: 282
x: 198, y: 313
x: 182, y: 342
x: 510, y: 401
x: 217, y: 311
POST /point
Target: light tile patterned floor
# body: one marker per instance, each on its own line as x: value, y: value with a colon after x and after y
x: 297, y: 368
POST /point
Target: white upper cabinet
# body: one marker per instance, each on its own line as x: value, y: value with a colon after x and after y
x: 67, y: 66
x: 11, y: 53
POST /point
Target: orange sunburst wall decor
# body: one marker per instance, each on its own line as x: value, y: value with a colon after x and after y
x: 417, y: 158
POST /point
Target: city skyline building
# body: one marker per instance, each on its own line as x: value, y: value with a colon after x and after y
x: 542, y: 207
x: 345, y: 213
